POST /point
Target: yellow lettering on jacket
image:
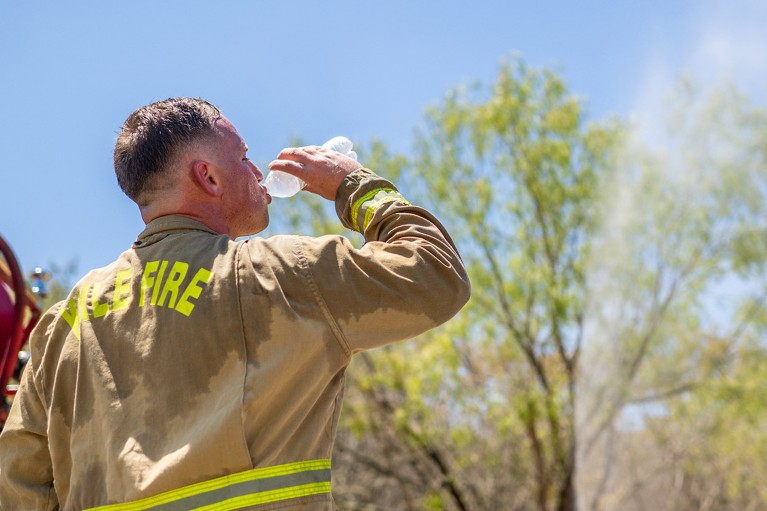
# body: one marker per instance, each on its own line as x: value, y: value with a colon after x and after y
x: 82, y: 306
x: 177, y: 274
x: 171, y: 292
x: 193, y: 290
x: 72, y: 316
x: 147, y: 280
x: 122, y: 289
x: 156, y: 290
x: 99, y: 309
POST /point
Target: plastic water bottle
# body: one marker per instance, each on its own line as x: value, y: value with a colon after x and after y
x: 282, y: 184
x: 340, y: 145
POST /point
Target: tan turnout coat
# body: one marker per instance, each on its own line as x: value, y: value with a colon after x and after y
x: 214, y: 366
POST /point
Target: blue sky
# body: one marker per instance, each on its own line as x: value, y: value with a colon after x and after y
x: 71, y: 72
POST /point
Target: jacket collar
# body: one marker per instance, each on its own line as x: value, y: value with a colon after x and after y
x: 162, y: 226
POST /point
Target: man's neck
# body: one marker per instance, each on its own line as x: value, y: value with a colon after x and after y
x: 207, y: 217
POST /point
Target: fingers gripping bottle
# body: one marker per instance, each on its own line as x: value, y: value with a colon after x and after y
x: 282, y: 184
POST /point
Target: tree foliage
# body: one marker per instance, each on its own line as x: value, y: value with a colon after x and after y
x: 684, y: 227
x: 589, y: 348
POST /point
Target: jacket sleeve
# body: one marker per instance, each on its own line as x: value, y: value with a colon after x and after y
x: 26, y: 472
x: 406, y: 279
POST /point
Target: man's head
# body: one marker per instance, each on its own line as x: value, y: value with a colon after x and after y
x: 182, y: 156
x: 152, y: 138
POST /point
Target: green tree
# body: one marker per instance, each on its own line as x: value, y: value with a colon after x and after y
x: 517, y: 172
x: 479, y: 414
x: 589, y: 343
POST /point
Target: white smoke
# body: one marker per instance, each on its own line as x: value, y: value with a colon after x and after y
x: 728, y: 47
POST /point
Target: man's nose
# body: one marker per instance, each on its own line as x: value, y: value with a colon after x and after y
x: 259, y: 175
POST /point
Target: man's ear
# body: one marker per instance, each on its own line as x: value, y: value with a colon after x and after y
x: 206, y: 177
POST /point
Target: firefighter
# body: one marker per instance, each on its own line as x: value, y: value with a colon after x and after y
x: 201, y: 370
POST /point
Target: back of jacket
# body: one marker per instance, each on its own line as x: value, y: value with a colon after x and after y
x: 194, y: 357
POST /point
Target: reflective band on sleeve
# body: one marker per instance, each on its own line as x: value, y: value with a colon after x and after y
x: 237, y: 491
x: 365, y: 207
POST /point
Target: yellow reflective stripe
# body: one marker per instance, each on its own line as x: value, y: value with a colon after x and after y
x: 366, y: 203
x: 268, y: 497
x: 358, y: 203
x: 196, y: 494
x: 370, y: 211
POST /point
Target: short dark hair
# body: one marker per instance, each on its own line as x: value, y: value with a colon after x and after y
x: 151, y: 137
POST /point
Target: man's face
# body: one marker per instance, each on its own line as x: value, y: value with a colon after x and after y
x: 245, y: 201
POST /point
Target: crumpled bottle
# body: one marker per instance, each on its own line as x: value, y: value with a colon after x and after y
x: 282, y: 184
